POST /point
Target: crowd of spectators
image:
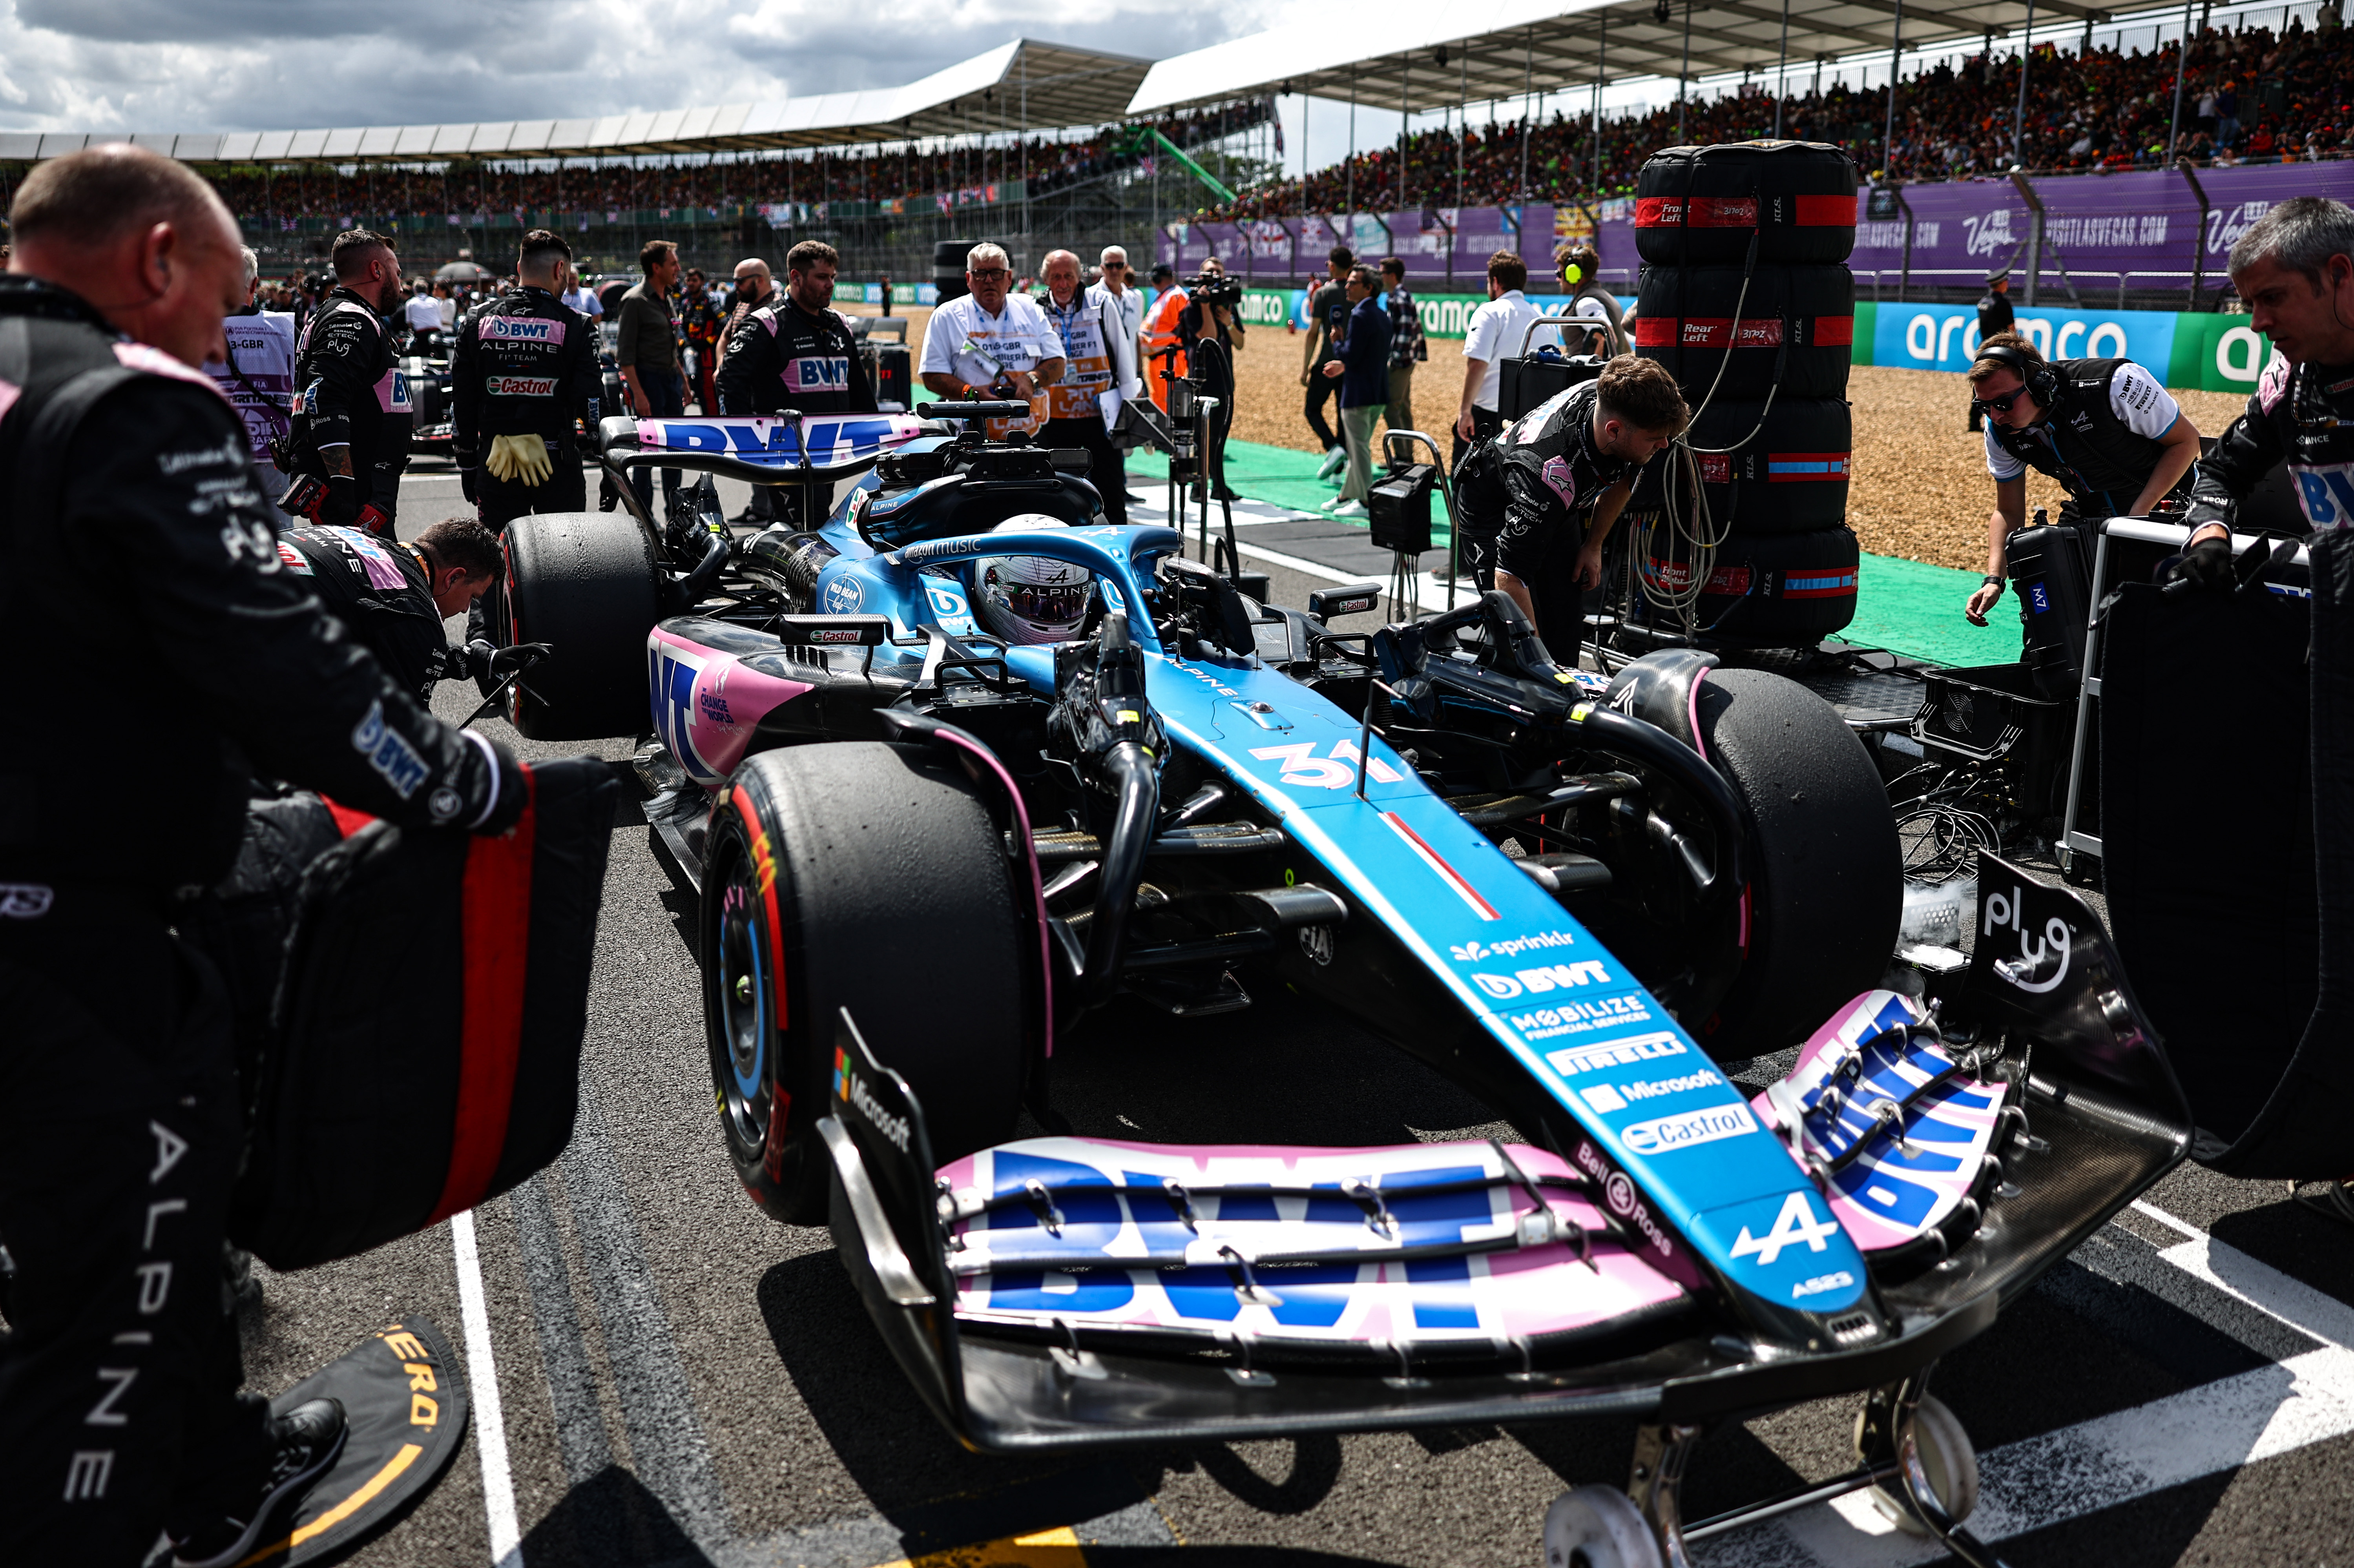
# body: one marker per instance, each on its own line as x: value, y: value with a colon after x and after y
x: 2247, y: 96
x: 720, y: 187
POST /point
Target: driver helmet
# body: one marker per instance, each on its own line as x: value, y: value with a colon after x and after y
x: 1031, y: 598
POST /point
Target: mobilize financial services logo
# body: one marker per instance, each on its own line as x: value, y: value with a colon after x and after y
x: 848, y: 1085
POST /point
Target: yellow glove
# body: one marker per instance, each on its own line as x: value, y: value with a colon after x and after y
x: 519, y: 457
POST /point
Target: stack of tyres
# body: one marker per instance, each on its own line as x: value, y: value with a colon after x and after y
x: 1746, y: 297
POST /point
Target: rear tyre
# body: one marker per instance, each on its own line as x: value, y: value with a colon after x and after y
x: 1826, y: 872
x: 587, y: 585
x: 857, y: 876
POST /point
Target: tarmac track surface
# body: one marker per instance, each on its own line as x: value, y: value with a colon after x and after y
x: 680, y: 1380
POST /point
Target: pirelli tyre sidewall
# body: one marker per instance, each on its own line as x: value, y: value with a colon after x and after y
x: 1797, y: 198
x: 1781, y: 468
x: 1792, y: 327
x: 858, y: 875
x: 587, y: 585
x: 1784, y: 590
x: 1826, y: 877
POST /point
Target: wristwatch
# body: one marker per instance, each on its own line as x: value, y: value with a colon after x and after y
x: 1994, y: 580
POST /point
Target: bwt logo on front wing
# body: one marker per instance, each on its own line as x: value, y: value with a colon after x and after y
x: 1551, y: 976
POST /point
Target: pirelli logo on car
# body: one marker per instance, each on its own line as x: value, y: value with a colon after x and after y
x: 520, y: 385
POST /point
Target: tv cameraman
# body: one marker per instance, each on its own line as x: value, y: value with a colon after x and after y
x: 2295, y: 268
x: 2113, y: 438
x: 120, y: 1132
x: 1209, y: 318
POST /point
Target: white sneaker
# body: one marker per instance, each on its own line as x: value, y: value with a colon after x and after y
x: 1335, y: 461
x: 1348, y: 509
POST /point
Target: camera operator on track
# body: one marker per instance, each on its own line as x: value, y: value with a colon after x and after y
x: 992, y: 344
x: 1098, y: 363
x: 1209, y: 317
x: 2295, y: 268
x: 352, y: 412
x: 1566, y: 470
x: 120, y: 1124
x: 2113, y: 438
x: 796, y: 352
x: 391, y: 597
x: 523, y: 372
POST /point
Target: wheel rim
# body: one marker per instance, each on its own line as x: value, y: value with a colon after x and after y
x: 746, y: 984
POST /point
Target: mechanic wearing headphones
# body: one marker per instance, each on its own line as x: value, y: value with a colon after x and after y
x: 351, y: 401
x: 120, y: 1132
x: 392, y: 596
x: 796, y: 352
x: 2295, y: 268
x: 2113, y: 438
x: 523, y: 369
x: 1561, y: 475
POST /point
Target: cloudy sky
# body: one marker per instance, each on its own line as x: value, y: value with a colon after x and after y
x: 233, y: 64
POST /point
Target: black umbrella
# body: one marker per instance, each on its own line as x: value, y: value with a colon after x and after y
x: 462, y: 273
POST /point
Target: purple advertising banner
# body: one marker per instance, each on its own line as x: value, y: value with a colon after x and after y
x: 2140, y: 230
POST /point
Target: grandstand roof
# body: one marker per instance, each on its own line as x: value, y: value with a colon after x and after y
x: 1023, y: 81
x: 1492, y: 41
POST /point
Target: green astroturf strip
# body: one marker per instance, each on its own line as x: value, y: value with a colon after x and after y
x: 1908, y: 607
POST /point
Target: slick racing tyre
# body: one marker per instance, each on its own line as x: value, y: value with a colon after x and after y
x: 1701, y: 206
x: 1827, y: 877
x: 586, y: 584
x: 1791, y: 326
x: 855, y: 876
x: 1786, y: 590
x: 1777, y: 468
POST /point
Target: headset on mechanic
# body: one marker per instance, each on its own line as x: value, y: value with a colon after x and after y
x: 119, y: 1108
x: 2294, y: 267
x: 2107, y: 429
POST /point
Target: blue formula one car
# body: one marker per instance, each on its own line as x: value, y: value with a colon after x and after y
x: 962, y: 765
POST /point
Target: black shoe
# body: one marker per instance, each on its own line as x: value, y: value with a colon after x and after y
x: 308, y: 1439
x: 1223, y: 493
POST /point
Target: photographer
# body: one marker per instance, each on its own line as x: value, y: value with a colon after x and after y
x: 1099, y: 363
x: 120, y: 1125
x: 351, y: 405
x: 1209, y: 318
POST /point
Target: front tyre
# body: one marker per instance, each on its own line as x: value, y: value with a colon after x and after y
x: 858, y: 875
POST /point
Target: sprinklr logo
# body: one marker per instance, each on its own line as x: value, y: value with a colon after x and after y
x: 849, y: 1086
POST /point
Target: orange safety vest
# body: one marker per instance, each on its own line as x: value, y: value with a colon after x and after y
x: 1160, y: 336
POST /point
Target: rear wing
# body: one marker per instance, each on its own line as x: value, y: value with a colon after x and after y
x: 784, y: 448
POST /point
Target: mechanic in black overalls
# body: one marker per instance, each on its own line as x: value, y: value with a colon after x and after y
x: 523, y: 370
x: 2295, y: 268
x: 2105, y: 428
x: 392, y: 596
x: 352, y: 412
x: 1561, y: 474
x: 120, y: 1132
x: 796, y: 352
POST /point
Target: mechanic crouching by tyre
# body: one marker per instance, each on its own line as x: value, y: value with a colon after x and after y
x: 120, y: 1130
x: 796, y: 352
x: 351, y: 402
x: 2105, y: 428
x: 2295, y: 268
x: 523, y: 372
x: 1561, y: 474
x: 391, y: 597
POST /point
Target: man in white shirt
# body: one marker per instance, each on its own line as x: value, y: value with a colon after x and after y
x: 422, y: 312
x: 1116, y: 289
x: 990, y: 345
x: 259, y: 381
x: 1495, y: 331
x: 583, y: 298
